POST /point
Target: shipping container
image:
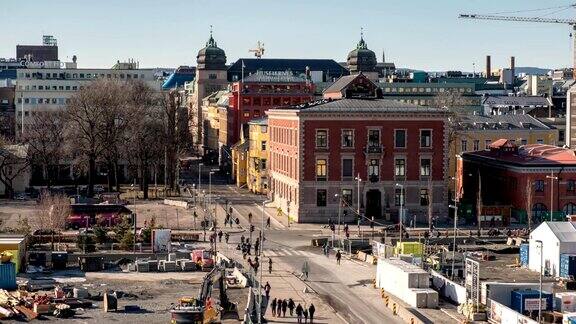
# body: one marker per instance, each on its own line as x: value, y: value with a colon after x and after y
x: 37, y: 258
x: 8, y: 276
x: 412, y: 248
x: 527, y: 300
x: 524, y: 254
x: 565, y: 302
x: 59, y: 260
x: 567, y: 265
x: 91, y: 263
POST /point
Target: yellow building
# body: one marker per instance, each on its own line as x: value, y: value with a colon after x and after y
x: 476, y: 133
x: 257, y: 179
x: 211, y: 118
x: 239, y: 160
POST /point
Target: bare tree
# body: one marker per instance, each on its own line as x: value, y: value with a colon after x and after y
x: 53, y: 210
x: 45, y: 139
x: 14, y: 162
x: 430, y: 203
x: 88, y: 115
x: 529, y: 199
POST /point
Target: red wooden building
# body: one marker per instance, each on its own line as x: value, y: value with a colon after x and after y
x: 319, y: 150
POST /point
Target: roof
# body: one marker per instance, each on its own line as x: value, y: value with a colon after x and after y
x: 279, y: 64
x: 177, y: 79
x: 340, y: 84
x: 525, y: 101
x: 8, y: 74
x: 531, y: 155
x: 364, y: 105
x: 499, y: 122
x: 259, y: 121
x: 18, y: 150
x: 11, y: 238
x: 278, y: 77
x: 564, y: 231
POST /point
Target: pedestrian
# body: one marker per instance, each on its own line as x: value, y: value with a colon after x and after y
x: 268, y: 223
x: 284, y: 307
x: 270, y: 265
x: 226, y: 237
x: 305, y: 313
x: 256, y: 246
x: 279, y: 308
x: 256, y: 265
x: 305, y: 270
x: 220, y: 236
x: 326, y: 249
x: 299, y: 311
x: 242, y: 238
x: 250, y: 218
x: 249, y: 247
x: 250, y: 262
x: 267, y: 288
x: 237, y: 221
x: 311, y: 311
x: 291, y: 306
x: 338, y: 257
x: 273, y: 307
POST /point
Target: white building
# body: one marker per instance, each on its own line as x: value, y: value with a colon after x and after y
x: 49, y: 88
x: 557, y: 238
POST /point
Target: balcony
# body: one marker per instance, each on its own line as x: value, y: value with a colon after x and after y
x: 373, y: 149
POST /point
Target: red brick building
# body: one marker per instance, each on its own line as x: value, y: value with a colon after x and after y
x: 514, y: 178
x: 264, y: 90
x: 397, y: 150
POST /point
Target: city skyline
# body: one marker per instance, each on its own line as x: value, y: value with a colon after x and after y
x: 419, y: 35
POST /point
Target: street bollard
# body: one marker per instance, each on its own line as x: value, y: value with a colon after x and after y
x: 394, y: 310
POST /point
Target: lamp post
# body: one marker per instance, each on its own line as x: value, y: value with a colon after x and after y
x: 358, y: 200
x: 455, y: 206
x: 401, y: 209
x: 540, y: 282
x: 339, y: 212
x: 552, y: 177
x: 261, y: 253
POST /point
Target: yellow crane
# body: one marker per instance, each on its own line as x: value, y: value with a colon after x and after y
x: 570, y: 22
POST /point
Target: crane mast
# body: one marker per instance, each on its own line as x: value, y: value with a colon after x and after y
x: 570, y: 22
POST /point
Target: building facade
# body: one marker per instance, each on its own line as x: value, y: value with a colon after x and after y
x: 329, y: 155
x: 7, y: 112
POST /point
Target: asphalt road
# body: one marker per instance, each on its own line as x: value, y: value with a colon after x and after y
x: 346, y: 288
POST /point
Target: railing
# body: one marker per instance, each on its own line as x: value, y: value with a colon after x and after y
x: 373, y: 149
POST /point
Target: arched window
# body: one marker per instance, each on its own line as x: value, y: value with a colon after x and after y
x: 569, y: 209
x: 539, y: 211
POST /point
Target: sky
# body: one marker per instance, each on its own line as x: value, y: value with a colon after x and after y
x: 420, y: 34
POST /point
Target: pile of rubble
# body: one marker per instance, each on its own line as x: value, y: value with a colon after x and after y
x: 24, y: 305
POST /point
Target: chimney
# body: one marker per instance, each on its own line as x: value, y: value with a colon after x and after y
x: 513, y: 66
x: 488, y: 67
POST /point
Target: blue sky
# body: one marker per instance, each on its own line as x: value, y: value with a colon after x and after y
x: 424, y: 34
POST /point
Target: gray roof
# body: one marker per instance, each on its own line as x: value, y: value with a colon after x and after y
x: 259, y: 121
x: 499, y: 122
x: 564, y: 231
x: 365, y: 105
x: 523, y: 101
x: 341, y: 83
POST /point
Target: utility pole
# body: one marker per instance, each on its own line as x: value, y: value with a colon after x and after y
x: 552, y: 178
x: 358, y: 201
x: 401, y: 209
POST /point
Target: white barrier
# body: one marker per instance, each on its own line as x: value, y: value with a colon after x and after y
x: 499, y: 313
x: 176, y: 203
x: 448, y: 288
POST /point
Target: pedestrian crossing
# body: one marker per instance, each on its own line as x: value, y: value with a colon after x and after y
x: 286, y: 252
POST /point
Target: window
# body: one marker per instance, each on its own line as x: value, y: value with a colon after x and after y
x: 263, y: 163
x: 524, y: 142
x: 321, y: 170
x: 487, y: 144
x: 561, y: 135
x: 263, y: 129
x: 246, y: 114
x: 321, y: 197
x: 423, y: 197
x: 540, y: 141
x: 425, y: 167
x: 539, y: 211
x: 374, y: 168
x: 570, y: 185
x: 399, y: 197
x: 400, y: 138
x: 569, y: 209
x: 347, y: 197
x: 256, y: 113
x: 263, y: 146
x: 374, y: 137
x: 539, y: 185
x: 400, y: 167
x: 476, y: 145
x: 321, y: 138
x: 347, y: 168
x: 347, y: 138
x: 464, y: 146
x: 212, y: 76
x: 425, y: 138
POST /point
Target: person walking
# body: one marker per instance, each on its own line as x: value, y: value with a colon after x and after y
x: 270, y: 265
x: 338, y: 257
x: 305, y: 270
x: 279, y: 308
x: 299, y: 311
x: 305, y: 313
x: 226, y: 237
x: 267, y: 288
x: 311, y: 311
x: 326, y: 250
x: 268, y: 223
x: 242, y: 239
x: 284, y: 307
x: 250, y: 218
x: 256, y: 246
x: 220, y: 236
x: 291, y: 306
x: 273, y: 307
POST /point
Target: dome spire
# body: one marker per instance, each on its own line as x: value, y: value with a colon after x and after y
x: 211, y: 42
x: 362, y: 44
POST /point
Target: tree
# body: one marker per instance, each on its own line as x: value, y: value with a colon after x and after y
x: 529, y: 202
x: 88, y: 118
x: 45, y: 139
x: 14, y: 162
x: 53, y: 211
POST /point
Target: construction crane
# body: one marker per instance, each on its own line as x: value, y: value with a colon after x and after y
x: 570, y: 22
x: 259, y: 50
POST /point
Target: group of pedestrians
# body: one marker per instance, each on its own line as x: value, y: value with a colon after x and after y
x: 229, y: 220
x: 280, y: 306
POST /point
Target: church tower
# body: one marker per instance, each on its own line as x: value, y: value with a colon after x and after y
x: 363, y: 60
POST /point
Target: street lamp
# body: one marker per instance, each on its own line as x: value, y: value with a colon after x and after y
x: 540, y: 282
x: 552, y: 178
x: 455, y: 206
x: 261, y: 252
x: 358, y: 180
x: 401, y: 209
x: 339, y: 212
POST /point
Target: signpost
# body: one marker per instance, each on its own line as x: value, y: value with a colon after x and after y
x: 473, y: 280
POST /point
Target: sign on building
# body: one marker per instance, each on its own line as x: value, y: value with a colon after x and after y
x: 473, y: 280
x: 161, y: 240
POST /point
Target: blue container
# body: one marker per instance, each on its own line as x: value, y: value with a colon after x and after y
x: 567, y: 265
x: 524, y: 251
x: 524, y: 301
x: 572, y: 319
x: 8, y: 276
